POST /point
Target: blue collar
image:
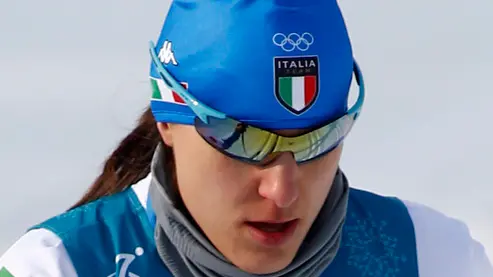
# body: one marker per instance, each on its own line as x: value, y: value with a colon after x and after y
x: 151, y: 215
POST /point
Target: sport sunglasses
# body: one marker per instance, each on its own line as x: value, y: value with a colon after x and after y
x: 255, y: 145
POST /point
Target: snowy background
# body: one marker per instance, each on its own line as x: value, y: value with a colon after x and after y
x: 73, y: 80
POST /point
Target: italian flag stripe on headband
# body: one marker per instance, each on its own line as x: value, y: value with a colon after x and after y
x: 161, y: 92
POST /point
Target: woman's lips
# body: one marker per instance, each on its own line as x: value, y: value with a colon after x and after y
x: 272, y: 233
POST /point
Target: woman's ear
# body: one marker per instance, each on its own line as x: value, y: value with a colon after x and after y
x: 166, y: 133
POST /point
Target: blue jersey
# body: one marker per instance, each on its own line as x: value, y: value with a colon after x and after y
x: 377, y: 240
x: 114, y: 236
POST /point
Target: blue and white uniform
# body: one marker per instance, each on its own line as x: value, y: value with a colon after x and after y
x: 114, y: 237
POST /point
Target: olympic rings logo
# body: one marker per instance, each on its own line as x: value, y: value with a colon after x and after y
x: 293, y: 41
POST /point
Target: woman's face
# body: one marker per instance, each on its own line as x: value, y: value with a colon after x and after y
x: 257, y: 217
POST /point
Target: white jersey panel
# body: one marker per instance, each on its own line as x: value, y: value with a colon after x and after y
x: 38, y: 253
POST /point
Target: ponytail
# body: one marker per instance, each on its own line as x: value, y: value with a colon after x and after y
x: 130, y: 161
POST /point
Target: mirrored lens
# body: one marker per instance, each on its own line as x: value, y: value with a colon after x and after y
x: 252, y: 144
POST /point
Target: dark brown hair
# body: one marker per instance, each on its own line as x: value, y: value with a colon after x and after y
x: 130, y: 161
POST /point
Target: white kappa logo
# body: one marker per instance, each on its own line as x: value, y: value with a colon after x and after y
x: 127, y: 260
x: 166, y: 54
x: 293, y: 41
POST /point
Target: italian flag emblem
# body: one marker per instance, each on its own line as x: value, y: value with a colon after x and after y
x: 161, y: 92
x: 296, y: 82
x: 298, y: 92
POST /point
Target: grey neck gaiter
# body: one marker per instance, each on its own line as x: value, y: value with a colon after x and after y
x: 187, y: 252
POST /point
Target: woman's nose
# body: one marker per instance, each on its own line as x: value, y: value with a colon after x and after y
x: 278, y: 181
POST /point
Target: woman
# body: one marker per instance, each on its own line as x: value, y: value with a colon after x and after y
x: 233, y: 170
